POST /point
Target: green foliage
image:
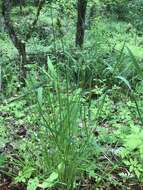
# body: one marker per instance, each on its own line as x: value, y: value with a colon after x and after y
x: 51, y: 181
x: 2, y: 160
x: 77, y: 121
x: 24, y: 174
x: 132, y: 153
x: 135, y: 13
x: 33, y: 184
x: 126, y: 10
x: 60, y: 115
x: 116, y: 7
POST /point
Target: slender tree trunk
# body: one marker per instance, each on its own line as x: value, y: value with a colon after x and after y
x: 20, y: 6
x: 18, y: 43
x: 23, y: 62
x: 81, y: 9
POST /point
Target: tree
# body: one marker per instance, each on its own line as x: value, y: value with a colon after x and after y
x: 81, y: 14
x: 18, y: 42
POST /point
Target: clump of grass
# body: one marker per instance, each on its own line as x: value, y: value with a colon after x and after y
x: 61, y: 143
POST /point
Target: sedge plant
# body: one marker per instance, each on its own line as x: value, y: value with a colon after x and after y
x: 60, y: 146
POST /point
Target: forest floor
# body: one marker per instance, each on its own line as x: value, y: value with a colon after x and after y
x: 115, y: 119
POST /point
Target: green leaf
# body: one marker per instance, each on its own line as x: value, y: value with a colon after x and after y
x: 61, y: 168
x: 40, y: 95
x: 92, y: 173
x: 51, y: 69
x: 33, y: 184
x: 24, y: 174
x: 48, y: 183
x: 2, y: 160
x: 124, y: 81
x: 134, y: 61
x: 133, y: 141
x: 137, y: 173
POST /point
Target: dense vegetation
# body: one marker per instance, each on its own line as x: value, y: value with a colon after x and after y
x: 71, y: 94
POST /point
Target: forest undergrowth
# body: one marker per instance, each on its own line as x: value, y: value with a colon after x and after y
x: 75, y: 123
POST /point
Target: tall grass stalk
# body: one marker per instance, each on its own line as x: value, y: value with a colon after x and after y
x: 63, y: 140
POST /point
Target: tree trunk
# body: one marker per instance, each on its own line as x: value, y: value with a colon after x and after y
x: 1, y: 23
x: 23, y: 62
x: 20, y: 6
x: 18, y: 43
x: 81, y: 8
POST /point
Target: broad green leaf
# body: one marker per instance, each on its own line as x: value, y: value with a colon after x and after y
x: 48, y: 183
x: 33, y: 184
x: 133, y: 141
x: 124, y: 81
